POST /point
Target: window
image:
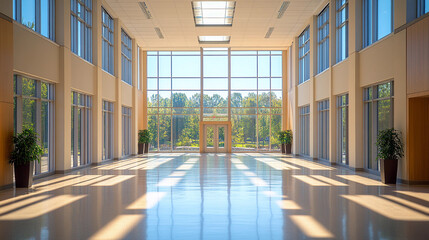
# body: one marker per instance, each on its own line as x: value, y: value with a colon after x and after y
x: 323, y: 129
x: 81, y: 28
x: 107, y: 42
x: 34, y: 108
x: 378, y: 115
x: 38, y: 15
x: 304, y: 56
x: 107, y: 130
x: 126, y: 59
x: 323, y: 40
x: 304, y: 130
x: 422, y: 7
x: 343, y: 129
x: 81, y: 129
x: 342, y: 28
x: 179, y: 96
x: 126, y: 131
x: 139, y: 79
x: 377, y: 20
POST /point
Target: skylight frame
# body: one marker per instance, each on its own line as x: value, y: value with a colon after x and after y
x: 214, y: 10
x: 214, y: 39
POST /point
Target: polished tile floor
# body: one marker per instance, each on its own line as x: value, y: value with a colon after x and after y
x: 214, y: 196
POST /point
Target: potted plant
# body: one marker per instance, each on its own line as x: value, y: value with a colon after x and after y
x: 390, y: 150
x: 26, y: 150
x: 282, y: 138
x: 144, y: 139
x: 288, y: 141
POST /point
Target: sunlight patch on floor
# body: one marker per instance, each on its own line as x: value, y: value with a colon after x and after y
x: 119, y: 227
x: 311, y: 227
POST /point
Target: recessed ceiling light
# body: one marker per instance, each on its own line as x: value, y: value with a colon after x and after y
x: 145, y: 10
x: 213, y: 13
x: 214, y: 39
x: 283, y: 8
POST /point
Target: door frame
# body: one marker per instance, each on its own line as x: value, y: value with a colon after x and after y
x: 228, y: 138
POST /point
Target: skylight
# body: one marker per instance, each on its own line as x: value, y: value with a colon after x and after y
x: 214, y: 39
x: 213, y: 13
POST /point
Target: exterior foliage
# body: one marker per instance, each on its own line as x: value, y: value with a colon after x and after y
x: 26, y: 148
x: 389, y: 144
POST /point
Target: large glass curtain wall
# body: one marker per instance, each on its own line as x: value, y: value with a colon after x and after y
x: 304, y: 130
x: 34, y: 108
x: 81, y: 129
x: 378, y: 115
x: 126, y: 131
x: 323, y: 129
x: 186, y: 87
x: 343, y: 129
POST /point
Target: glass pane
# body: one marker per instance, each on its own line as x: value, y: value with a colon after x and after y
x: 276, y: 83
x: 186, y: 83
x: 28, y: 87
x: 276, y: 99
x: 28, y: 13
x: 152, y: 83
x: 243, y: 66
x: 264, y: 99
x: 28, y: 114
x: 384, y: 18
x: 186, y: 99
x: 164, y: 84
x: 152, y: 66
x: 44, y: 137
x: 215, y: 66
x: 276, y: 66
x: 243, y: 133
x: 263, y: 66
x: 186, y: 132
x: 186, y: 66
x: 221, y: 135
x: 264, y: 132
x: 276, y: 124
x: 44, y: 18
x: 243, y: 99
x: 209, y: 137
x: 263, y: 84
x: 384, y: 114
x: 244, y: 84
x: 152, y: 123
x: 215, y: 83
x: 164, y: 98
x: 164, y: 132
x: 152, y: 98
x: 215, y: 99
x: 383, y: 90
x: 164, y: 66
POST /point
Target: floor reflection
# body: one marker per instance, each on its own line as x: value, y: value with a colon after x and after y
x: 214, y: 196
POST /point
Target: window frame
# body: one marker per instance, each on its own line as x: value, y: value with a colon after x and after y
x: 86, y: 20
x: 343, y: 107
x: 108, y: 61
x: 304, y: 130
x: 17, y: 14
x: 370, y: 25
x: 342, y: 26
x: 323, y: 129
x: 108, y: 110
x: 304, y: 56
x: 126, y: 58
x: 83, y: 103
x: 323, y: 40
x: 126, y: 131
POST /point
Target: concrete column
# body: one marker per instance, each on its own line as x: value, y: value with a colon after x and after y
x: 6, y: 96
x: 313, y: 104
x: 63, y: 89
x: 117, y: 116
x: 97, y: 104
x: 285, y: 111
x: 143, y: 114
x: 294, y: 90
x: 134, y: 116
x: 332, y: 98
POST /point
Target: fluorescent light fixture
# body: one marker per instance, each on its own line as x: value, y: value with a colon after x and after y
x: 214, y: 39
x: 159, y: 33
x: 283, y: 8
x: 145, y: 10
x: 269, y: 32
x: 213, y: 13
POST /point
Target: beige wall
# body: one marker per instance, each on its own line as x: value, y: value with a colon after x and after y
x: 382, y: 61
x: 40, y: 58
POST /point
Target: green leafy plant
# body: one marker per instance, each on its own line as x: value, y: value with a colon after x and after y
x: 286, y: 136
x: 144, y: 136
x: 389, y: 144
x: 26, y: 148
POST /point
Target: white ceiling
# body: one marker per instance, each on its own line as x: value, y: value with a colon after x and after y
x: 252, y: 20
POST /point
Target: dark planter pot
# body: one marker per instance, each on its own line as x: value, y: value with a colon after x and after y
x: 24, y: 175
x: 146, y: 147
x: 140, y: 148
x: 288, y: 148
x: 388, y: 171
x: 283, y: 148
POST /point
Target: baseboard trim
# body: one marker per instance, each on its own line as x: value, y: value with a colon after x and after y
x: 7, y: 186
x: 408, y: 182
